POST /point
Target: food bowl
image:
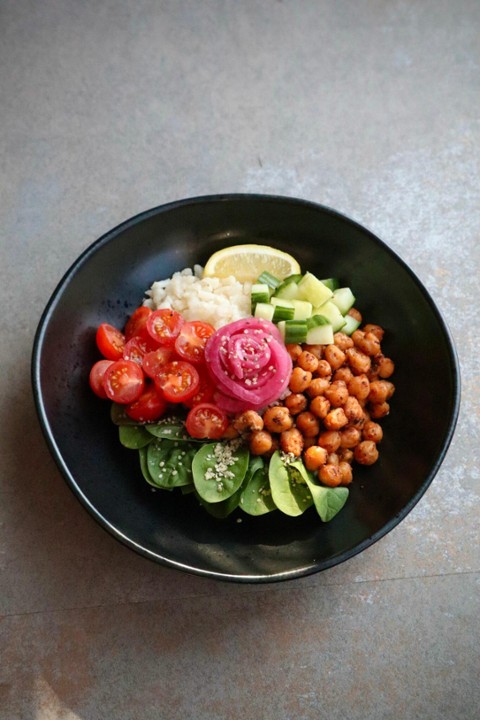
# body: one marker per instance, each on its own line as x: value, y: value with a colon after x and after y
x: 107, y: 283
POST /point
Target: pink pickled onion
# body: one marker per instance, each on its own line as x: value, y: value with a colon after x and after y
x: 249, y: 364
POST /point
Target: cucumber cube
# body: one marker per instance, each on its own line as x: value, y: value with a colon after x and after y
x: 302, y: 309
x: 312, y: 289
x: 344, y: 299
x: 332, y: 313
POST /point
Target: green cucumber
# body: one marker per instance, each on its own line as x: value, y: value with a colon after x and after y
x: 283, y: 309
x: 330, y: 311
x: 319, y: 331
x: 332, y: 283
x: 302, y: 309
x: 269, y: 279
x: 287, y: 290
x: 293, y: 331
x: 260, y: 293
x: 312, y: 289
x: 344, y: 299
x: 264, y: 311
x: 351, y: 324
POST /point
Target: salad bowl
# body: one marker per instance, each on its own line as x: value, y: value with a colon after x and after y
x: 108, y: 281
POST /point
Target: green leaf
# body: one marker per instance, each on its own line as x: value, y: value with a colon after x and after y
x: 328, y: 501
x: 144, y: 467
x: 119, y: 416
x: 133, y: 437
x: 169, y: 462
x: 219, y: 469
x: 256, y: 497
x: 290, y: 493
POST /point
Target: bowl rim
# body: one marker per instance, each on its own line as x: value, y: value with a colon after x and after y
x: 48, y: 434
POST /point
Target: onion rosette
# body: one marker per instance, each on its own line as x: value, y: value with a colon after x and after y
x: 249, y: 364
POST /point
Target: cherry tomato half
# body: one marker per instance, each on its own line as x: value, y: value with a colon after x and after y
x: 191, y: 341
x: 206, y: 421
x: 205, y: 389
x: 123, y: 381
x: 137, y: 322
x: 96, y: 377
x: 136, y: 348
x: 177, y: 381
x: 154, y: 361
x: 110, y: 341
x: 149, y: 406
x: 164, y: 325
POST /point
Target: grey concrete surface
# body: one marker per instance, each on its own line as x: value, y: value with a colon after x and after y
x: 110, y: 107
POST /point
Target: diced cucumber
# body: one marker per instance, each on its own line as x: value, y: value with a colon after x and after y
x: 351, y: 324
x: 332, y: 313
x: 287, y: 290
x: 293, y: 331
x: 260, y: 293
x: 269, y: 279
x: 344, y: 299
x: 302, y: 309
x: 312, y: 289
x: 264, y: 311
x: 332, y: 283
x: 283, y: 309
x: 320, y: 335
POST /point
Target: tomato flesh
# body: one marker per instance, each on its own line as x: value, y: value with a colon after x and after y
x: 123, y: 381
x: 191, y: 340
x: 137, y: 323
x: 110, y: 341
x: 177, y: 381
x: 206, y: 420
x: 205, y: 390
x: 136, y: 348
x: 149, y: 406
x: 164, y: 325
x: 154, y: 361
x: 96, y: 377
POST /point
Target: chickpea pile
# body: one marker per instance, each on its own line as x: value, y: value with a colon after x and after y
x: 337, y: 394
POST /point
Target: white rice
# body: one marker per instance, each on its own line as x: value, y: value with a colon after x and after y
x: 217, y: 301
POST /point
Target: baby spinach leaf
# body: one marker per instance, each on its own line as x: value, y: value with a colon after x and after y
x: 219, y: 469
x: 256, y: 497
x: 133, y: 436
x: 170, y: 462
x: 290, y: 492
x: 328, y: 501
x: 119, y: 416
x: 144, y: 466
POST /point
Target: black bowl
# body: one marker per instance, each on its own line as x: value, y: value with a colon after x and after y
x: 108, y: 281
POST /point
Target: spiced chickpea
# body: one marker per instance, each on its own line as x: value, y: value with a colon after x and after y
x: 309, y: 441
x: 358, y: 361
x: 330, y: 440
x: 296, y: 403
x: 359, y: 386
x: 317, y: 386
x: 379, y: 410
x: 324, y: 369
x: 366, y: 452
x: 380, y: 391
x: 356, y: 314
x: 260, y: 442
x: 277, y: 419
x: 343, y: 373
x: 299, y: 380
x: 316, y: 350
x: 368, y: 343
x: 294, y: 350
x: 230, y: 433
x: 335, y: 419
x: 334, y: 356
x: 307, y: 361
x: 375, y: 329
x: 320, y: 406
x: 342, y: 340
x: 385, y: 367
x: 291, y: 441
x: 372, y: 431
x: 353, y: 410
x: 248, y: 421
x: 308, y: 424
x: 337, y: 393
x: 350, y: 437
x: 314, y: 457
x: 346, y: 473
x: 333, y: 459
x: 330, y: 475
x: 345, y: 454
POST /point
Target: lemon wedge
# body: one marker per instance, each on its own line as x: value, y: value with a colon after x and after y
x: 247, y: 262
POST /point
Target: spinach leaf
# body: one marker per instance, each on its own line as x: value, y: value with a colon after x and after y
x: 144, y: 466
x: 119, y: 416
x: 133, y: 436
x: 256, y: 498
x: 328, y: 501
x: 290, y: 491
x: 219, y: 469
x: 169, y: 462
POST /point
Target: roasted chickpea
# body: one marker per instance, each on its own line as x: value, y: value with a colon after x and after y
x: 330, y: 440
x: 260, y: 442
x: 335, y: 419
x: 346, y: 473
x: 296, y: 403
x: 375, y: 329
x: 309, y: 441
x: 294, y: 350
x: 316, y: 350
x: 299, y: 380
x: 366, y: 453
x: 334, y: 356
x: 359, y: 387
x: 380, y: 391
x: 353, y: 410
x: 277, y: 419
x: 372, y: 431
x: 368, y: 343
x: 230, y: 433
x: 379, y: 410
x: 358, y: 361
x: 318, y: 386
x: 248, y: 421
x: 307, y: 361
x: 345, y: 454
x: 320, y: 406
x: 330, y: 475
x: 337, y: 393
x: 324, y: 369
x: 308, y: 424
x: 333, y: 459
x: 356, y: 314
x: 385, y: 367
x: 343, y: 373
x: 291, y: 441
x: 350, y: 437
x: 314, y: 457
x: 342, y: 340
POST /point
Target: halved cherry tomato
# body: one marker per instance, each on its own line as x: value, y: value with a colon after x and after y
x: 154, y: 361
x: 206, y: 420
x: 137, y: 323
x: 96, y: 377
x: 110, y: 341
x: 136, y: 348
x: 177, y: 381
x: 164, y: 325
x: 149, y: 406
x: 123, y: 381
x: 191, y: 341
x: 205, y: 389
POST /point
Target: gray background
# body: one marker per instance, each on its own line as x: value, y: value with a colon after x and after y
x: 109, y: 108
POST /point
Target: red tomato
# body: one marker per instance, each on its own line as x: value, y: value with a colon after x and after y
x: 137, y: 323
x: 123, y: 381
x: 190, y: 343
x: 154, y: 361
x: 205, y: 389
x: 164, y: 325
x: 110, y: 341
x: 206, y: 421
x: 136, y: 348
x: 177, y: 381
x: 149, y: 406
x: 96, y: 377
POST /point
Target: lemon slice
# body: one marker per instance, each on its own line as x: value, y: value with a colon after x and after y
x: 247, y: 262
